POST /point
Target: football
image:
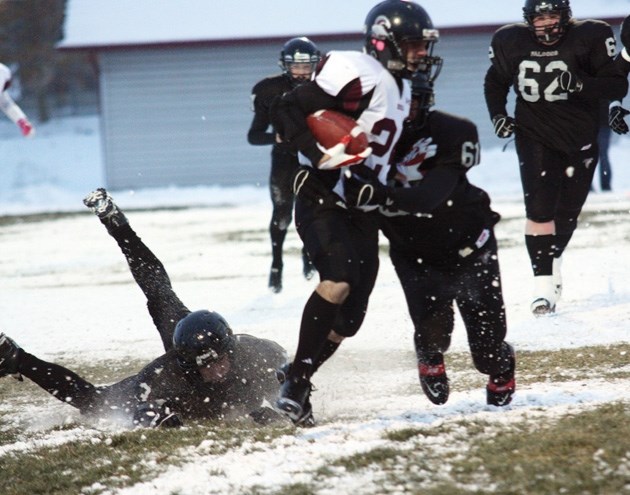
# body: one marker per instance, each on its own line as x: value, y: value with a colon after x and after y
x: 330, y: 127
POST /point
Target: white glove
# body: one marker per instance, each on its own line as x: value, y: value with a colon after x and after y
x: 336, y: 157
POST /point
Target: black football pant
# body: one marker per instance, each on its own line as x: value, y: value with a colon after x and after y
x: 343, y: 246
x: 283, y: 166
x: 555, y: 184
x: 164, y: 306
x: 475, y: 285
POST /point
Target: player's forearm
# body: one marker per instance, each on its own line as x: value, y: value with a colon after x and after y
x: 605, y: 88
x: 257, y: 137
x: 10, y: 108
x: 428, y: 194
x: 495, y: 91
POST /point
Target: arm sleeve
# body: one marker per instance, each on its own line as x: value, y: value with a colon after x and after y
x: 10, y: 108
x: 427, y: 195
x: 608, y: 82
x: 289, y: 113
x: 258, y: 131
x: 497, y: 82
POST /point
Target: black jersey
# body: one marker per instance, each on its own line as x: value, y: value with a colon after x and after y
x: 561, y: 121
x: 250, y: 381
x: 263, y: 94
x: 437, y: 215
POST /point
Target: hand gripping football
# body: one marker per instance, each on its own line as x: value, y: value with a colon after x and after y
x: 330, y: 128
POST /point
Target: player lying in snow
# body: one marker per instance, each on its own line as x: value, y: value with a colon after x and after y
x: 206, y: 372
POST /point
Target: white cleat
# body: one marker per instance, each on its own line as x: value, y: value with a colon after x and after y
x: 545, y: 295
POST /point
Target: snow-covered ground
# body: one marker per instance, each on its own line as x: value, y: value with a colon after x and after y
x: 66, y: 294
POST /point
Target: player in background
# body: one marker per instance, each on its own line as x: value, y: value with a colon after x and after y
x: 206, y: 372
x: 298, y: 59
x: 373, y: 88
x: 617, y: 113
x: 9, y: 107
x: 559, y: 68
x: 440, y: 229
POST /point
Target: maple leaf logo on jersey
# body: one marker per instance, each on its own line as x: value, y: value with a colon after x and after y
x: 421, y: 150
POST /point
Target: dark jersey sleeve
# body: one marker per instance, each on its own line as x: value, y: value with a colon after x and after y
x: 622, y: 62
x: 289, y: 117
x: 500, y: 73
x: 263, y: 95
x: 601, y: 78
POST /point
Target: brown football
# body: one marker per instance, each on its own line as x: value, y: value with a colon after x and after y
x: 330, y: 127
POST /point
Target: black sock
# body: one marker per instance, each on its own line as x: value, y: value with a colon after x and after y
x: 562, y: 240
x: 327, y: 351
x: 317, y: 320
x: 541, y: 249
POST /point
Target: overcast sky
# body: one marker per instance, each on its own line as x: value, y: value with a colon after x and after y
x: 111, y: 22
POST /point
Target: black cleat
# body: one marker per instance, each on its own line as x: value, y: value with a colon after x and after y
x: 293, y: 400
x: 282, y: 373
x: 433, y: 379
x: 308, y: 269
x: 275, y: 279
x: 306, y: 420
x: 9, y: 357
x: 501, y: 387
x: 102, y: 204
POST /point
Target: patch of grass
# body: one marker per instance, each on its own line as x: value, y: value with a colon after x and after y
x: 584, y: 363
x: 380, y: 456
x: 122, y: 459
x: 580, y: 453
x: 584, y: 453
x: 292, y: 489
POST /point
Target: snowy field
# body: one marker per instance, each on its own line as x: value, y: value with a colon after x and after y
x: 66, y: 295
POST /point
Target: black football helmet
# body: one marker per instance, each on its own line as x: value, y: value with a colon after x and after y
x: 392, y: 23
x: 535, y: 8
x: 201, y: 338
x: 299, y: 51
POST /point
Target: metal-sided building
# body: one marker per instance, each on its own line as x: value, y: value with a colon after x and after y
x: 175, y: 109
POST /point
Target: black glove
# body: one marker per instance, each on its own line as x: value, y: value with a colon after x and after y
x: 362, y: 187
x: 152, y: 415
x: 616, y: 120
x: 307, y: 186
x: 569, y: 82
x: 503, y: 125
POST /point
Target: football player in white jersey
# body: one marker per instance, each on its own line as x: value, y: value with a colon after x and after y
x: 9, y: 107
x: 373, y: 88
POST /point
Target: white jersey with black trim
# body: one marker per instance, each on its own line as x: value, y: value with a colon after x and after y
x: 5, y: 76
x: 7, y: 105
x: 360, y: 81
